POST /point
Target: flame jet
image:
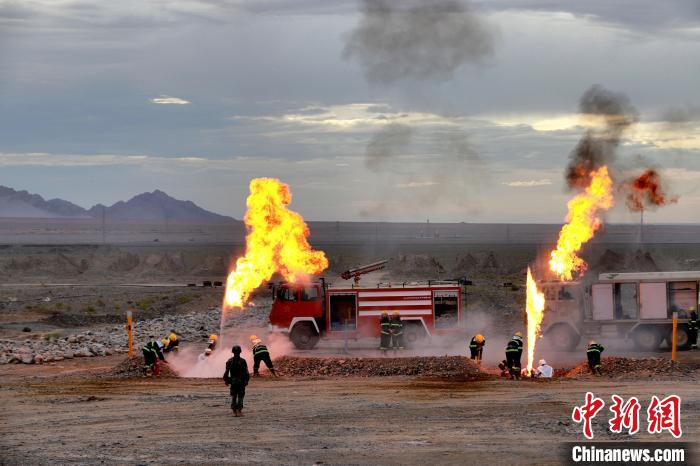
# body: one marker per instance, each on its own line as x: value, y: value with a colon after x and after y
x: 276, y: 243
x: 534, y: 306
x: 582, y: 222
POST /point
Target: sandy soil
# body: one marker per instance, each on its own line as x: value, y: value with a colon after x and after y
x: 66, y: 413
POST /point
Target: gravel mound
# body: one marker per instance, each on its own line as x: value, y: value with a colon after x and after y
x: 454, y: 367
x: 133, y: 367
x: 632, y: 368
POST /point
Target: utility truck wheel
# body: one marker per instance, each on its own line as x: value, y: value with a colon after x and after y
x: 413, y: 332
x: 563, y: 338
x: 304, y: 336
x: 682, y: 337
x: 647, y: 338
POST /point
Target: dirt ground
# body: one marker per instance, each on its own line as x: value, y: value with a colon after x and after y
x: 68, y: 413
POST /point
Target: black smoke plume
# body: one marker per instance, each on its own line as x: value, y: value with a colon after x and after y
x: 397, y: 39
x: 598, y: 146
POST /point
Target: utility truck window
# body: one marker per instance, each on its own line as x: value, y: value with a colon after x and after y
x: 446, y: 309
x: 309, y: 294
x: 565, y: 294
x: 287, y: 294
x: 682, y: 298
x: 626, y: 304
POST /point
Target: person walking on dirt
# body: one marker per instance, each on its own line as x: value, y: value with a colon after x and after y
x: 593, y: 354
x: 693, y: 326
x: 384, y: 331
x: 514, y: 351
x: 476, y: 347
x: 260, y: 354
x: 237, y: 377
x: 396, y: 331
x: 152, y: 356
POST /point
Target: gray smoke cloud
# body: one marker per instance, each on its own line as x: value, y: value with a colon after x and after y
x: 681, y: 118
x: 424, y: 166
x: 598, y: 146
x: 417, y: 39
x: 387, y: 144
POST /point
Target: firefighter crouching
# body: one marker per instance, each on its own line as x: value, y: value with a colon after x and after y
x: 476, y: 347
x: 593, y: 353
x: 693, y: 327
x: 396, y: 331
x: 237, y: 377
x: 514, y: 351
x: 152, y: 357
x: 385, y: 331
x: 260, y: 354
x: 173, y: 343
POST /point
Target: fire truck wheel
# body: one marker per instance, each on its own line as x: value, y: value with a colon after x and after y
x: 414, y: 331
x: 304, y: 336
x: 647, y: 338
x: 563, y: 337
x: 682, y: 337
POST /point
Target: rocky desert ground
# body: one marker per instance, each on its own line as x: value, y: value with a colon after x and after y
x: 62, y: 315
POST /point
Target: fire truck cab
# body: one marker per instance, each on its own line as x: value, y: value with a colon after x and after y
x: 312, y: 311
x: 636, y: 306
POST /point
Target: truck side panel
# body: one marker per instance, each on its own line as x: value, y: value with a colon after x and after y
x: 652, y: 299
x: 602, y: 301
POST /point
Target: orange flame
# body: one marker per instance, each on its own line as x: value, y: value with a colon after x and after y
x: 582, y: 223
x: 276, y: 242
x: 534, y: 306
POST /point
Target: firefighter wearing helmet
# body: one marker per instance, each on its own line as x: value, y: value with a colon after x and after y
x: 152, y: 356
x: 236, y: 376
x: 173, y: 342
x: 384, y: 331
x: 514, y: 351
x: 260, y: 354
x: 593, y: 354
x: 476, y: 347
x: 213, y: 338
x: 396, y: 330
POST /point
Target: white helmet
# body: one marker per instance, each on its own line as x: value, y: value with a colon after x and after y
x: 543, y: 362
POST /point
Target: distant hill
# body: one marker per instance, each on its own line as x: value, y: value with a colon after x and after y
x: 147, y: 206
x: 155, y: 205
x: 26, y: 205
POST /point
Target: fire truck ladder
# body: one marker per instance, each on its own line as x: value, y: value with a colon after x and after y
x: 357, y: 272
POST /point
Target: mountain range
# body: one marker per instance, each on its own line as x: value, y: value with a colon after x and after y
x: 156, y: 205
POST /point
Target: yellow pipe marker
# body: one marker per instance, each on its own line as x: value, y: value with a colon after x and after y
x: 129, y: 329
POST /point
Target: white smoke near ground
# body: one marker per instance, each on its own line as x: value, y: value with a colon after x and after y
x: 190, y: 361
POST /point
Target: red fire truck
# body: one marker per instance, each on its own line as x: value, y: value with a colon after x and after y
x: 308, y: 312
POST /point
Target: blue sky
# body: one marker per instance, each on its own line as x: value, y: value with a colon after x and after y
x: 103, y: 100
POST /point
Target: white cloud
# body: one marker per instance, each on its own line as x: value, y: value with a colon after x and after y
x: 416, y: 184
x: 528, y: 183
x: 44, y: 159
x: 167, y: 100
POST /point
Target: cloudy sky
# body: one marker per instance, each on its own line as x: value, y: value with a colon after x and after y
x: 370, y: 110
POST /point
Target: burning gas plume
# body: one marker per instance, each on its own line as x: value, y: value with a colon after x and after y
x: 534, y: 307
x: 276, y: 243
x: 582, y: 222
x: 646, y: 191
